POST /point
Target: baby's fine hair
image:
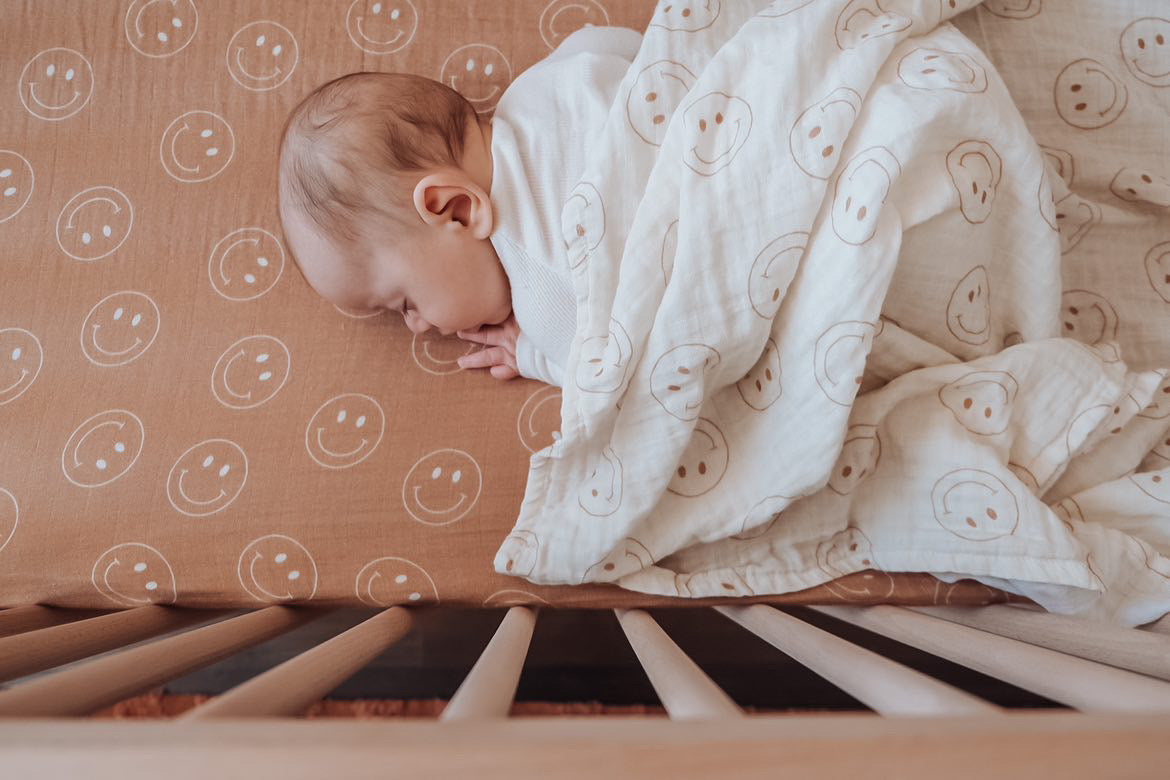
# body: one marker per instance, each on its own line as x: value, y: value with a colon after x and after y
x: 348, y: 148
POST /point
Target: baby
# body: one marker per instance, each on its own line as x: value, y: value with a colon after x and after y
x: 395, y: 195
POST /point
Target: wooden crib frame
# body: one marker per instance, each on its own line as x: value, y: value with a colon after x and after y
x: 1114, y: 679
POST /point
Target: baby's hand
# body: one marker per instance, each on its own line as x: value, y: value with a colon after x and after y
x: 500, y: 355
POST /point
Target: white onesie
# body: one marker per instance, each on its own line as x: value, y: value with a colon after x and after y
x: 543, y: 126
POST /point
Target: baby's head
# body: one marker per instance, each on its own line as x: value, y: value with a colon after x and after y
x: 384, y: 198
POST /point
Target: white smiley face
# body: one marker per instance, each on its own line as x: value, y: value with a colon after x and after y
x: 120, y: 328
x: 345, y: 430
x: 358, y: 314
x: 975, y: 169
x: 760, y: 387
x: 864, y: 20
x: 1145, y: 49
x: 518, y: 553
x: 16, y: 184
x: 245, y: 264
x: 628, y: 557
x: 678, y: 380
x: 262, y: 55
x: 1013, y: 9
x: 381, y: 26
x: 207, y: 478
x: 442, y: 487
x: 656, y: 94
x: 385, y: 582
x: 969, y: 310
x: 703, y: 462
x: 21, y: 358
x: 561, y: 17
x: 1088, y: 96
x: 974, y: 505
x: 686, y: 15
x: 539, y: 421
x: 600, y: 494
x: 56, y: 84
x: 277, y: 568
x: 1087, y: 317
x: 604, y: 360
x: 1157, y: 264
x: 102, y: 448
x: 1138, y: 186
x: 845, y: 552
x: 1075, y: 217
x: 511, y: 597
x: 981, y: 401
x: 839, y: 359
x: 772, y: 271
x: 197, y: 146
x: 438, y: 354
x: 860, y: 453
x: 160, y: 28
x: 718, y: 125
x: 94, y: 223
x: 134, y: 574
x: 820, y: 131
x: 250, y: 372
x: 860, y: 191
x: 939, y: 69
x: 479, y: 72
x: 1155, y: 484
x: 9, y: 517
x: 582, y: 222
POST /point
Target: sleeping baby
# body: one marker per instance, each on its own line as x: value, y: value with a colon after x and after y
x: 395, y: 195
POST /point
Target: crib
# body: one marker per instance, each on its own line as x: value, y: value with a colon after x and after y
x: 145, y: 141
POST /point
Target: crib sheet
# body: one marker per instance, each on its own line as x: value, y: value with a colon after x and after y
x: 182, y: 421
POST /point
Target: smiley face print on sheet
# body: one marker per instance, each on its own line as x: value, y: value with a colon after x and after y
x: 969, y: 309
x: 1157, y: 262
x: 975, y: 169
x: 197, y: 146
x: 438, y: 354
x: 582, y: 222
x: 102, y: 448
x: 656, y: 93
x: 21, y: 358
x: 974, y: 504
x: 678, y: 380
x: 600, y: 494
x: 1145, y: 49
x: 345, y: 430
x: 56, y: 84
x: 442, y: 487
x: 561, y: 17
x: 604, y: 360
x: 384, y: 582
x: 250, y: 372
x: 16, y: 184
x: 9, y: 517
x: 859, y: 458
x: 845, y: 552
x: 1075, y: 217
x: 479, y: 72
x: 860, y: 191
x: 718, y: 126
x: 1087, y: 317
x: 761, y: 386
x: 245, y: 264
x: 262, y: 55
x: 94, y: 223
x: 1061, y: 162
x: 1159, y: 406
x: 686, y: 15
x: 134, y: 574
x: 778, y: 8
x: 864, y: 20
x: 628, y: 556
x: 839, y: 359
x: 940, y: 69
x: 1155, y: 484
x: 519, y: 553
x: 539, y: 421
x: 703, y: 462
x: 1088, y: 96
x: 669, y: 249
x: 277, y: 568
x: 1013, y: 9
x: 981, y: 401
x: 1134, y: 185
x: 820, y: 131
x: 381, y: 26
x: 120, y: 328
x: 207, y: 477
x: 160, y: 28
x: 772, y: 271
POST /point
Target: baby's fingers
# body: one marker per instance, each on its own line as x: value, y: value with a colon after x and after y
x: 485, y: 357
x: 504, y: 372
x: 484, y: 334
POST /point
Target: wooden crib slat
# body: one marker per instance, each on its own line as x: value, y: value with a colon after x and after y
x: 17, y: 620
x: 1128, y: 648
x: 288, y: 689
x: 686, y: 691
x: 98, y: 683
x: 490, y: 686
x: 1085, y: 685
x: 881, y: 684
x: 45, y: 648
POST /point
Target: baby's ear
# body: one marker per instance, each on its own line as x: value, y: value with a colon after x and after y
x: 450, y: 199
